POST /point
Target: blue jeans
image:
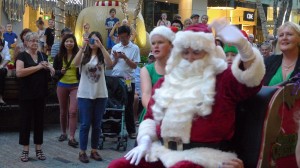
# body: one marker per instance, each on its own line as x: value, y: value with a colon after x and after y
x: 109, y: 43
x: 90, y: 113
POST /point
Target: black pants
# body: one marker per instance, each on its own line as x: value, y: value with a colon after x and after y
x: 32, y: 110
x: 129, y: 118
x: 3, y: 73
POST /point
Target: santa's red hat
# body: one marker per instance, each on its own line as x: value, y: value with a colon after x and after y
x: 198, y: 37
x: 245, y: 34
x: 200, y: 27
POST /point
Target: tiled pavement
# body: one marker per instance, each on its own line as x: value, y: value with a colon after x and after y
x: 58, y: 154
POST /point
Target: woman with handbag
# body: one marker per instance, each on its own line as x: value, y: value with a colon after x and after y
x: 67, y: 85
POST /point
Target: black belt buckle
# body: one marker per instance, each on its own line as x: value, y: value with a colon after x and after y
x: 173, y: 143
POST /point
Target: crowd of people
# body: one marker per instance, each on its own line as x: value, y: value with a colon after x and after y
x: 182, y: 88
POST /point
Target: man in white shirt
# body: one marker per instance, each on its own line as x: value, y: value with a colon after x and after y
x: 126, y: 56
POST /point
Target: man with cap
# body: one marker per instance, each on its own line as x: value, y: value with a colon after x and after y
x: 188, y: 121
x: 151, y: 58
x: 195, y: 18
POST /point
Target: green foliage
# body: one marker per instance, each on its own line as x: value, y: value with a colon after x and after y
x: 144, y: 59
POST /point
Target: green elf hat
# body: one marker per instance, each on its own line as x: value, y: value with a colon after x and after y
x: 228, y: 48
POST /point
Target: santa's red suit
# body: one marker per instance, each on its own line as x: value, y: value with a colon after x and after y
x: 199, y: 110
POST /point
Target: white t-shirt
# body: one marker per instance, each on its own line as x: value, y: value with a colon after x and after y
x: 5, y: 52
x: 122, y: 69
x: 41, y: 35
x: 92, y: 83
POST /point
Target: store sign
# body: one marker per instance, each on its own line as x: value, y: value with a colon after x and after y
x: 270, y: 24
x: 248, y: 16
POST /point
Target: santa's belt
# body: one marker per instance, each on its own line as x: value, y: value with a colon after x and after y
x: 175, y: 143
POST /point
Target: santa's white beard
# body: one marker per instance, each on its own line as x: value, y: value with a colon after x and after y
x: 187, y: 91
x: 188, y: 69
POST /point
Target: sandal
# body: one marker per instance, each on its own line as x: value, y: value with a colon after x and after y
x: 40, y: 155
x: 24, y: 156
x: 62, y: 137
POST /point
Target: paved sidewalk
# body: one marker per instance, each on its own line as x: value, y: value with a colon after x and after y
x: 58, y: 154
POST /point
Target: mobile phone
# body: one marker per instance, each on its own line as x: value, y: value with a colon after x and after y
x: 92, y: 41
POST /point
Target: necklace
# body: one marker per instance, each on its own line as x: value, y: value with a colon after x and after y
x: 287, y: 67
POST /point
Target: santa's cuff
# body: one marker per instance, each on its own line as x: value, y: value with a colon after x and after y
x: 253, y: 75
x: 147, y: 127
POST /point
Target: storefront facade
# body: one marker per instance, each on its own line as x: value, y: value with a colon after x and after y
x: 241, y: 13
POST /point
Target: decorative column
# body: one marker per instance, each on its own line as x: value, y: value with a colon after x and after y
x: 59, y: 15
x: 189, y: 7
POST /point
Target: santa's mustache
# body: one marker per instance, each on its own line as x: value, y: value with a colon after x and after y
x: 191, y: 68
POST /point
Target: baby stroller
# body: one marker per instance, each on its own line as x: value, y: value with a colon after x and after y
x: 113, y: 119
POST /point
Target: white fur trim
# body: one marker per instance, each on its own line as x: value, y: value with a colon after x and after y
x: 206, y: 157
x: 164, y: 32
x: 252, y: 76
x: 147, y: 127
x: 220, y: 52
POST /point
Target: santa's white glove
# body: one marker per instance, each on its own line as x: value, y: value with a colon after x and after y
x: 231, y: 35
x: 136, y: 154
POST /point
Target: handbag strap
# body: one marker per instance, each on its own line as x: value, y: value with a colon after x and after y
x: 69, y: 62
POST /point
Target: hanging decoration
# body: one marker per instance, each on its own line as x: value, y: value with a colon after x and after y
x: 136, y: 12
x: 124, y: 7
x: 15, y: 8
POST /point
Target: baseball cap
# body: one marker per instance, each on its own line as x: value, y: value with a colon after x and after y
x: 194, y: 15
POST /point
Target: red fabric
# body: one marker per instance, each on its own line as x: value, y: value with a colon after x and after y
x: 200, y: 27
x: 245, y: 34
x: 285, y: 162
x: 109, y: 3
x: 123, y: 163
x: 289, y: 126
x: 219, y: 125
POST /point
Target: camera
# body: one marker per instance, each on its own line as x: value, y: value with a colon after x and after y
x: 92, y: 41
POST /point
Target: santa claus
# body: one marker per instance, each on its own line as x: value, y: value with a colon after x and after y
x: 190, y: 118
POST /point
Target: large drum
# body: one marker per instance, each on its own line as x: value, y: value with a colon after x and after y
x: 266, y: 128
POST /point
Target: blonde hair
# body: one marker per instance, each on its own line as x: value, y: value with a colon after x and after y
x: 291, y: 25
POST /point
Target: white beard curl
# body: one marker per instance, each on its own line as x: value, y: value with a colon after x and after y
x: 188, y: 91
